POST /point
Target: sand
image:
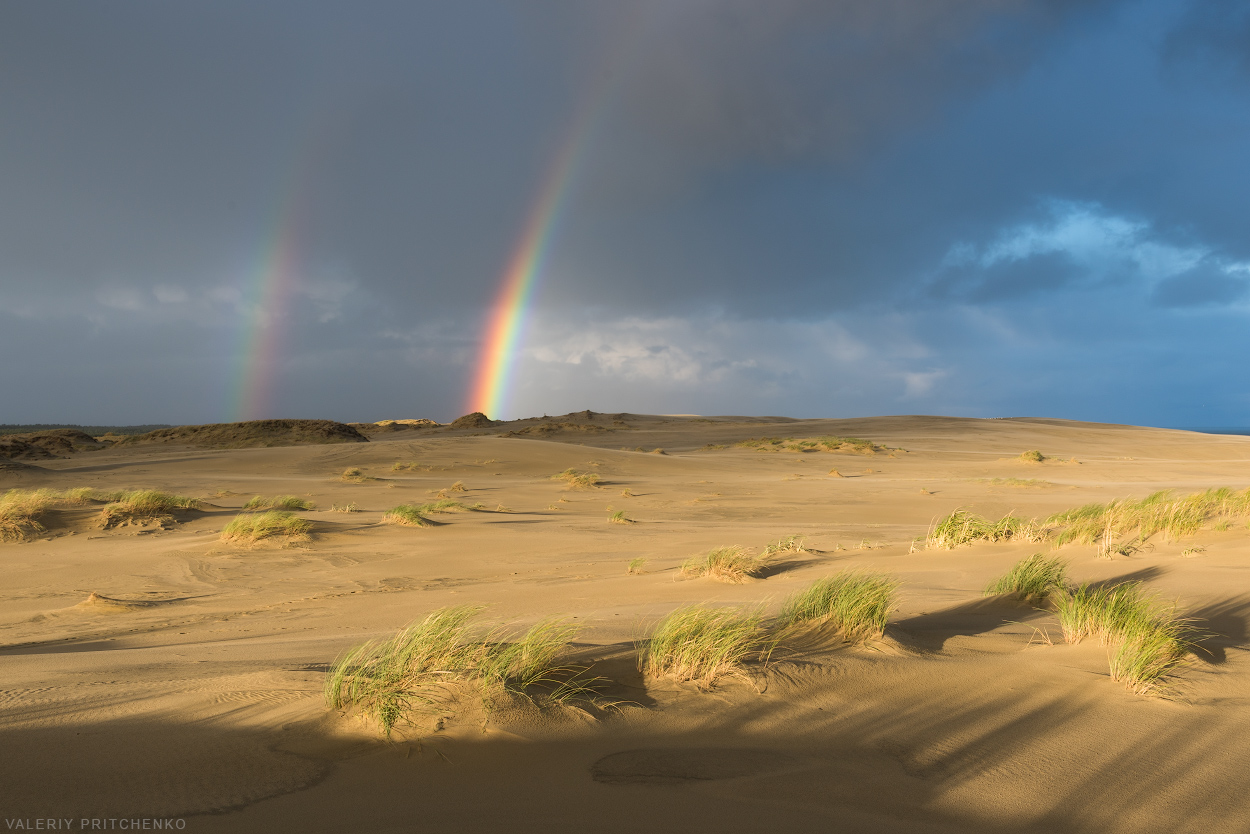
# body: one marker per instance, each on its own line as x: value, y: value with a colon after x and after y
x: 151, y: 670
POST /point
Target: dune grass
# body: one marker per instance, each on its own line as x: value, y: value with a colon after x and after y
x: 425, y: 665
x: 279, y: 502
x: 786, y: 544
x: 1158, y: 513
x: 725, y: 564
x: 1147, y: 639
x: 20, y: 512
x: 352, y: 507
x: 1033, y: 579
x: 142, y: 504
x: 701, y: 644
x: 407, y: 515
x: 1022, y: 483
x: 1032, y: 456
x: 856, y: 603
x: 619, y: 517
x: 575, y: 479
x: 271, y: 524
x: 354, y: 475
x: 636, y: 566
x: 964, y: 527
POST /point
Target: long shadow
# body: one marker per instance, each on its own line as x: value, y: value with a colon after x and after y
x: 778, y: 568
x: 1223, y: 625
x: 931, y: 631
x: 1146, y: 574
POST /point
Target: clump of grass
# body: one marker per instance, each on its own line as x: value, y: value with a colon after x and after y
x: 657, y: 451
x: 353, y: 507
x: 279, y: 502
x: 410, y: 466
x: 636, y: 566
x: 386, y: 679
x: 1159, y: 512
x: 530, y: 659
x: 577, y: 480
x: 1033, y: 579
x: 726, y: 564
x: 354, y: 475
x: 701, y: 644
x: 627, y: 493
x: 1146, y: 637
x: 1032, y: 456
x: 964, y: 527
x: 619, y: 517
x: 786, y: 544
x: 458, y: 486
x: 142, y: 504
x: 1023, y: 483
x: 251, y: 528
x: 407, y: 515
x: 20, y: 512
x: 424, y: 665
x: 857, y: 604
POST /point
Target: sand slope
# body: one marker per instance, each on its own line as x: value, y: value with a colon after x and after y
x: 155, y: 671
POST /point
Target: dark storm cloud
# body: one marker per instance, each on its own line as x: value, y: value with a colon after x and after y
x: 893, y: 188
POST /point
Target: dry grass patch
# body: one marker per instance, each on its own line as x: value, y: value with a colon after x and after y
x: 725, y: 564
x: 857, y: 604
x: 784, y: 545
x: 577, y: 480
x: 406, y: 515
x: 964, y: 527
x: 20, y: 513
x: 352, y: 507
x: 354, y: 475
x: 701, y: 644
x: 272, y: 524
x: 143, y: 505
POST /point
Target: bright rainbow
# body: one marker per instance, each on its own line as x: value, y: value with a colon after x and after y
x: 507, y: 318
x: 505, y: 326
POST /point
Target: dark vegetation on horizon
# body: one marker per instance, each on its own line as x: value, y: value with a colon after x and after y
x: 94, y: 431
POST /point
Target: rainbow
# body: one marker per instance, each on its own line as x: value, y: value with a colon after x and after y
x: 505, y: 324
x: 263, y: 304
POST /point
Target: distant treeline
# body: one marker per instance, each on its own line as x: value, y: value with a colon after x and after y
x: 94, y: 431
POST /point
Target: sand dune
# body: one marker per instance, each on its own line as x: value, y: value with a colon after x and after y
x: 154, y: 670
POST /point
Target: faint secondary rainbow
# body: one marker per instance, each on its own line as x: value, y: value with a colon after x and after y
x: 264, y: 302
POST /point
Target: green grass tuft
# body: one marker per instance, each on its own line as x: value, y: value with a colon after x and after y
x: 251, y: 528
x: 20, y: 512
x: 619, y: 517
x: 143, y: 504
x: 636, y: 566
x: 1033, y: 579
x: 426, y: 664
x: 702, y: 644
x: 279, y: 502
x: 726, y: 564
x: 1032, y: 456
x: 1147, y: 640
x: 857, y: 604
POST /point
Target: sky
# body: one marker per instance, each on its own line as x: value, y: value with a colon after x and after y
x: 224, y: 210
